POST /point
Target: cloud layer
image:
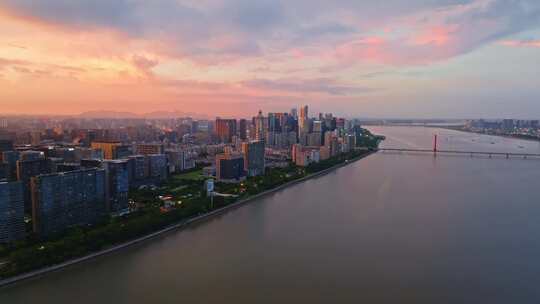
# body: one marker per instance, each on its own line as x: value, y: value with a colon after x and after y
x: 250, y: 48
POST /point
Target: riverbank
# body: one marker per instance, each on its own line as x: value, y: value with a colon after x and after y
x: 496, y: 135
x: 180, y: 225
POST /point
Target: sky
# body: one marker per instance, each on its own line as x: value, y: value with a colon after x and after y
x: 356, y: 58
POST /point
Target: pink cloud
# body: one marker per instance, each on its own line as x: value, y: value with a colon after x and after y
x: 439, y: 35
x: 522, y: 43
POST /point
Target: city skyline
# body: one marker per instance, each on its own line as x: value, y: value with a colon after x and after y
x: 399, y: 59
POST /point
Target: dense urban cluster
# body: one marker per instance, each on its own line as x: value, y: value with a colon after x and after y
x: 527, y: 129
x: 69, y: 186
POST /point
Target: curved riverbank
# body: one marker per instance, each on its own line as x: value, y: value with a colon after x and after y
x: 179, y: 225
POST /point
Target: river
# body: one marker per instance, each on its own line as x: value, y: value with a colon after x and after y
x: 390, y: 228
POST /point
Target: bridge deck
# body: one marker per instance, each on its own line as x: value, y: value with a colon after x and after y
x: 507, y: 154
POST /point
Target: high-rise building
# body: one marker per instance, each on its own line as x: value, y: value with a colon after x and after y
x: 10, y: 158
x: 112, y: 149
x: 6, y: 145
x: 254, y: 163
x: 260, y: 124
x: 225, y: 129
x: 230, y: 167
x: 303, y: 120
x: 243, y: 129
x: 137, y: 169
x: 11, y: 212
x: 26, y: 169
x: 318, y: 126
x: 117, y: 185
x: 63, y: 200
x: 157, y: 166
x: 314, y: 139
x: 294, y: 113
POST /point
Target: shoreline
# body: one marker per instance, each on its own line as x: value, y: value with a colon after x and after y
x: 495, y: 135
x: 178, y: 226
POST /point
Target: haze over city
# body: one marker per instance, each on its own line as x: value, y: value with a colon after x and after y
x: 400, y: 58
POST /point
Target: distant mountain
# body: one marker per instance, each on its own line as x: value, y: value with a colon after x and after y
x: 108, y: 114
x: 151, y: 115
x: 174, y: 114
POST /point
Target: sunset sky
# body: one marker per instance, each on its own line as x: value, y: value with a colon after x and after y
x: 390, y: 58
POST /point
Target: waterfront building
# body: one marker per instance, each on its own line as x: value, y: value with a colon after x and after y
x: 157, y: 167
x: 324, y: 152
x: 230, y: 167
x: 304, y: 156
x: 26, y: 169
x: 117, y: 185
x: 63, y: 200
x: 12, y: 226
x: 349, y: 142
x: 137, y: 169
x: 254, y: 163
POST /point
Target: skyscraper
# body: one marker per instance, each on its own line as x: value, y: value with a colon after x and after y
x: 225, y: 129
x: 11, y: 212
x: 303, y: 120
x: 294, y: 113
x: 243, y: 129
x: 260, y: 124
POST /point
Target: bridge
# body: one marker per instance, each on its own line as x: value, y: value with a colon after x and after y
x: 436, y: 151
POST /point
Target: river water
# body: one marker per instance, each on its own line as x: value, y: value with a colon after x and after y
x: 391, y: 228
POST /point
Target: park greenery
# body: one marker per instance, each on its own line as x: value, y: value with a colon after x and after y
x: 186, y: 190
